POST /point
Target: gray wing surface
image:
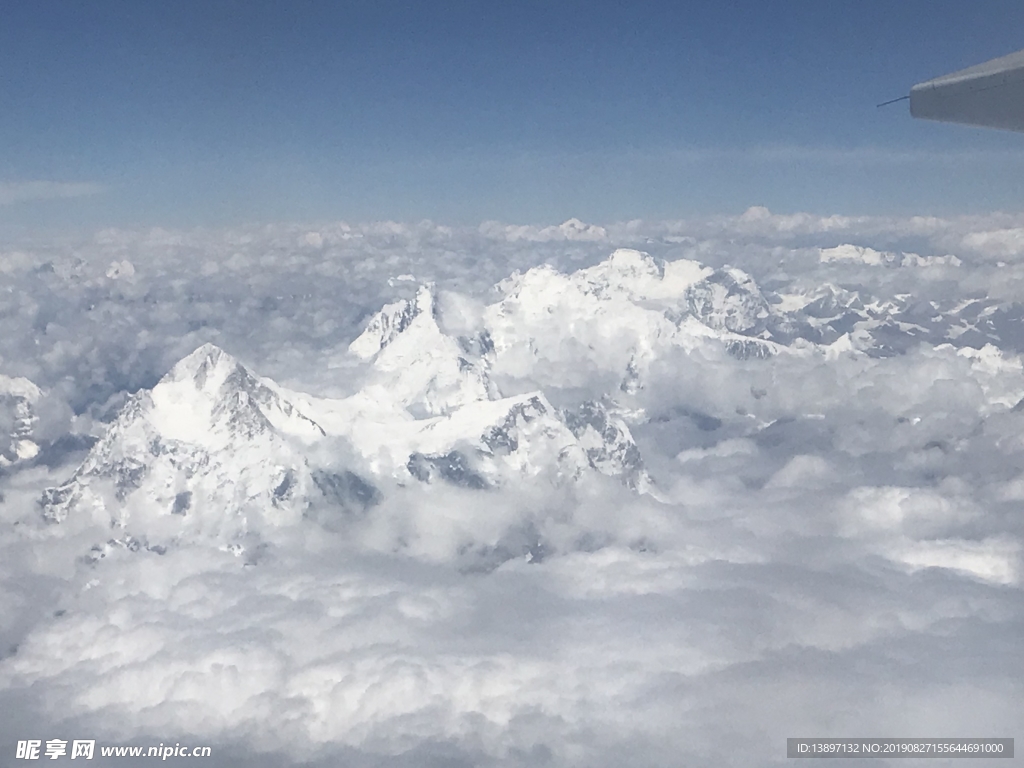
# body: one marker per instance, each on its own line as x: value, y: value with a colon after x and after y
x: 989, y: 95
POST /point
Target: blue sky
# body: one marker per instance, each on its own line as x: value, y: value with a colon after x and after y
x: 216, y: 112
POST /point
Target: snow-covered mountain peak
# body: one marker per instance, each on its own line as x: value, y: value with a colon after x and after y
x: 393, y: 320
x: 209, y: 444
x: 208, y: 398
x: 627, y: 274
x: 829, y: 299
x: 729, y: 299
x: 625, y: 268
x: 207, y: 367
x: 619, y: 315
x: 640, y: 276
x: 419, y: 367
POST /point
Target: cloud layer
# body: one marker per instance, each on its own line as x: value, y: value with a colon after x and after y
x: 834, y: 550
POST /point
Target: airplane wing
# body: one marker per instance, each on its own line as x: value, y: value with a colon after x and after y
x: 989, y: 95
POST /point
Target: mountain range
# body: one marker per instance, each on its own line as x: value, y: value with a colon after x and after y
x: 505, y: 396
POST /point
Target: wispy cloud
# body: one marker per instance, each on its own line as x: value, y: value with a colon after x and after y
x: 12, y: 192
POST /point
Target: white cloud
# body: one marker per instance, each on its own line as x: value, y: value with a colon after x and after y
x: 995, y: 560
x: 24, y: 191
